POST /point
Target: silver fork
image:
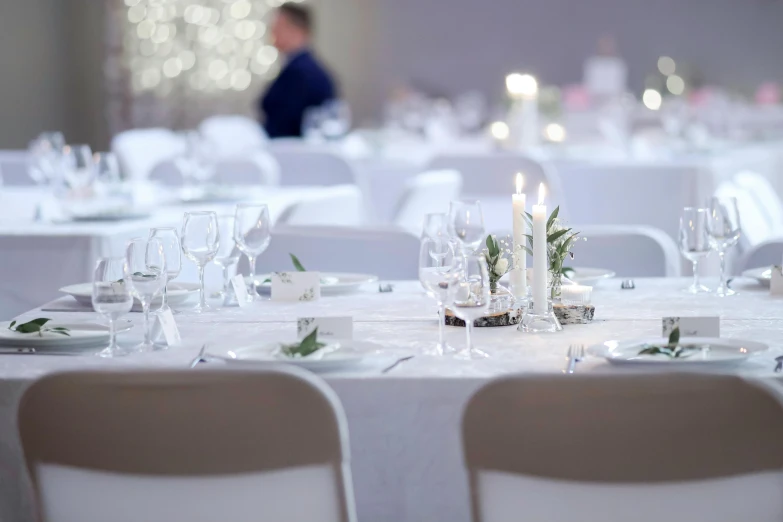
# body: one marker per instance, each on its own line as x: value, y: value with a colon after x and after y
x: 574, y: 355
x: 200, y: 357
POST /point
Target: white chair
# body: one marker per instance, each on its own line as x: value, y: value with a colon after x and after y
x: 253, y: 168
x: 338, y: 206
x: 765, y: 254
x: 14, y: 168
x: 426, y: 193
x: 756, y: 227
x: 389, y: 253
x: 140, y: 151
x: 617, y: 448
x: 628, y: 250
x: 303, y: 165
x: 765, y: 196
x: 234, y: 135
x: 187, y: 445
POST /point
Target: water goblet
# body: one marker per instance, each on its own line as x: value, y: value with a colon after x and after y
x: 200, y: 240
x: 145, y: 274
x: 468, y: 296
x: 172, y: 249
x: 227, y: 255
x: 111, y: 298
x: 435, y: 259
x: 723, y: 227
x: 466, y: 225
x: 252, y: 235
x: 78, y: 166
x: 694, y: 242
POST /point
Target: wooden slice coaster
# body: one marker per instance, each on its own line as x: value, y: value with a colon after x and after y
x: 507, y: 318
x: 574, y: 314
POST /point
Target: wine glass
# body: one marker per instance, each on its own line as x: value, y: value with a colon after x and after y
x: 468, y: 296
x: 107, y: 168
x: 435, y: 259
x: 111, y: 298
x: 145, y: 273
x: 436, y: 225
x: 78, y: 166
x: 173, y: 251
x: 252, y: 235
x: 694, y: 242
x: 466, y: 224
x: 228, y: 254
x: 723, y: 227
x: 200, y: 242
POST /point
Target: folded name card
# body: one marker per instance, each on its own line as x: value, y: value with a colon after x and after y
x: 169, y: 327
x: 328, y: 327
x: 240, y: 289
x: 296, y: 286
x: 692, y: 326
x: 776, y: 283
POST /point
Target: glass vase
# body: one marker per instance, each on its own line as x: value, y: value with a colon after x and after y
x: 500, y: 300
x: 555, y: 283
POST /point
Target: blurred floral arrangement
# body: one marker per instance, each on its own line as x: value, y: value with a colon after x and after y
x: 559, y: 241
x: 497, y: 254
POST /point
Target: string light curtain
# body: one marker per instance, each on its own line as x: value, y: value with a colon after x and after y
x: 173, y: 62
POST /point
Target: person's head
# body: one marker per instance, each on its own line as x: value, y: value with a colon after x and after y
x: 291, y: 27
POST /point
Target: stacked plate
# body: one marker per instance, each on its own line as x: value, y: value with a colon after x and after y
x: 177, y: 293
x: 332, y: 283
x: 82, y: 337
x: 763, y: 275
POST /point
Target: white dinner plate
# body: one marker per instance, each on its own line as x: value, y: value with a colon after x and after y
x: 178, y: 293
x: 589, y: 276
x: 714, y: 352
x: 762, y: 274
x: 109, y: 216
x: 82, y: 336
x: 332, y: 283
x: 349, y: 354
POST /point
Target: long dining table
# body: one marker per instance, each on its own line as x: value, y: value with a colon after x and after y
x: 404, y: 425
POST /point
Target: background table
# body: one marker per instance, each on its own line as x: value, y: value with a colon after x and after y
x: 404, y: 425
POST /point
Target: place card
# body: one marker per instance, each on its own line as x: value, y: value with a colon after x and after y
x: 169, y: 327
x: 296, y: 286
x: 692, y: 326
x: 776, y: 281
x: 240, y: 289
x: 328, y: 327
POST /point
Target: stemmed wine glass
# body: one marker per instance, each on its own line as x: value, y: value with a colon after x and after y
x: 200, y: 242
x: 107, y: 171
x: 723, y: 227
x: 145, y: 274
x: 252, y: 235
x: 111, y: 298
x: 78, y: 166
x: 694, y: 242
x: 436, y: 225
x: 227, y: 255
x: 466, y: 224
x: 435, y: 259
x: 468, y: 296
x: 173, y: 251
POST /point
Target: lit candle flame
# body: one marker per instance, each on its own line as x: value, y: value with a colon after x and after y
x: 541, y: 193
x: 520, y: 182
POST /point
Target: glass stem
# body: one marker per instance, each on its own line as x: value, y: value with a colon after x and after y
x: 165, y: 297
x: 226, y: 279
x: 251, y: 260
x: 145, y: 306
x: 112, y: 336
x: 722, y: 256
x: 468, y: 331
x: 202, y: 300
x: 696, y: 273
x: 441, y: 321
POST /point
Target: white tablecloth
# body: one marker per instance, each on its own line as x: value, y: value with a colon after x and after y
x: 404, y: 425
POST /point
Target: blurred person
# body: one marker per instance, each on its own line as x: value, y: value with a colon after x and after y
x: 605, y: 74
x: 302, y: 83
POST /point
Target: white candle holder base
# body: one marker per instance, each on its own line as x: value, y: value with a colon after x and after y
x: 539, y: 323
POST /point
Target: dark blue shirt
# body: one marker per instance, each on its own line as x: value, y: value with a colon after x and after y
x: 302, y: 83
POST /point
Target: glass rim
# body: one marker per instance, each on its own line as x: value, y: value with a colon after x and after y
x: 201, y: 213
x: 250, y: 204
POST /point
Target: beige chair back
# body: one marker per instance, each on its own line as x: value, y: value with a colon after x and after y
x: 186, y: 423
x: 622, y: 429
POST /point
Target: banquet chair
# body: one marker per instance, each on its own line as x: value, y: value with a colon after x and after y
x: 14, y: 170
x: 765, y: 196
x: 764, y: 254
x: 339, y: 206
x: 140, y: 151
x: 300, y: 165
x: 389, y: 253
x: 491, y: 178
x: 756, y: 227
x: 233, y: 135
x: 616, y: 448
x: 628, y: 250
x: 426, y: 193
x: 158, y: 446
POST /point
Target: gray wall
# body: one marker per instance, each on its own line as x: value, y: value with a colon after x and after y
x: 51, y: 50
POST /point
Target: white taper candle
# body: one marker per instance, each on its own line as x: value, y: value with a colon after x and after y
x: 539, y: 254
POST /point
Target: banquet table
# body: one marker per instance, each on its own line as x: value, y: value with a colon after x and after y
x: 404, y: 424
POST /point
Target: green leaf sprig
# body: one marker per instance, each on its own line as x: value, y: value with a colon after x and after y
x: 297, y: 265
x: 496, y: 263
x: 673, y: 349
x: 307, y: 346
x: 559, y: 241
x: 39, y: 326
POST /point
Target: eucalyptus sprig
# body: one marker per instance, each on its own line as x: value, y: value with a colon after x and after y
x: 39, y: 326
x: 497, y: 264
x: 305, y: 347
x: 673, y: 349
x: 297, y: 265
x: 559, y: 241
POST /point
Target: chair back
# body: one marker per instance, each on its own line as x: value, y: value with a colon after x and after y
x: 253, y: 168
x: 140, y: 151
x: 756, y: 227
x: 427, y: 193
x: 336, y: 206
x: 301, y: 164
x: 642, y: 447
x: 388, y: 253
x: 765, y: 196
x: 14, y: 168
x: 186, y: 445
x: 233, y: 135
x: 628, y: 250
x: 765, y: 254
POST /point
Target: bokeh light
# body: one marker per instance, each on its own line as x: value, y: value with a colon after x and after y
x: 499, y: 130
x: 675, y: 84
x: 652, y: 99
x: 666, y: 65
